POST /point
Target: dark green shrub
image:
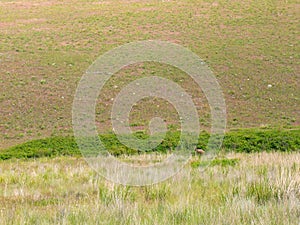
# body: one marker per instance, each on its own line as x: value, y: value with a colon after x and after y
x: 244, y: 140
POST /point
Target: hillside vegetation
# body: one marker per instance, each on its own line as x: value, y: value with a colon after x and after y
x: 240, y: 141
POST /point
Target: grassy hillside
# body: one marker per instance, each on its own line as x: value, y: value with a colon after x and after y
x: 45, y: 48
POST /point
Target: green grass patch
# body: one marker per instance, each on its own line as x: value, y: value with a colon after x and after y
x: 215, y: 162
x: 261, y: 191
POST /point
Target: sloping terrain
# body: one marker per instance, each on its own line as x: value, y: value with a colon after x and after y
x: 45, y: 47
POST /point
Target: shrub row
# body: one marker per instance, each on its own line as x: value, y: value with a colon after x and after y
x: 244, y: 140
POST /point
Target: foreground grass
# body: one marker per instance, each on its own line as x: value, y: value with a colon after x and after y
x: 261, y: 188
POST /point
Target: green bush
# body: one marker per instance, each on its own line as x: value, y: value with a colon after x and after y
x: 48, y: 147
x: 257, y: 140
x: 244, y: 140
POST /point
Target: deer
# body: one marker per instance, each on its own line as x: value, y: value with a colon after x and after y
x: 199, y: 151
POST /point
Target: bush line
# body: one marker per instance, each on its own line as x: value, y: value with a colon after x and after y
x: 244, y: 140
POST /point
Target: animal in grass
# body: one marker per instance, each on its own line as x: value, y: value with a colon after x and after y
x: 199, y: 151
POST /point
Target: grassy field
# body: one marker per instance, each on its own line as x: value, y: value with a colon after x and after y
x: 259, y: 188
x: 46, y: 46
x: 251, y: 46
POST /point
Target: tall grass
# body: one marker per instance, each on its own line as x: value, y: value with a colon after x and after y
x: 261, y: 188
